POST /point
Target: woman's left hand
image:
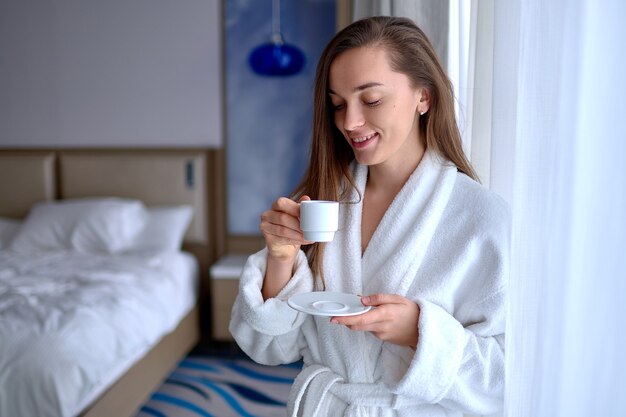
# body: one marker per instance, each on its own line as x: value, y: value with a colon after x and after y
x: 393, y: 320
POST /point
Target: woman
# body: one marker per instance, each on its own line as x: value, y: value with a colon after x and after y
x: 425, y: 243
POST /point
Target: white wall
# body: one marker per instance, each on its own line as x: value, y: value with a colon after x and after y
x: 110, y: 73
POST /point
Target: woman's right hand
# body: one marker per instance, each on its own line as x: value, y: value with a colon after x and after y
x: 280, y: 226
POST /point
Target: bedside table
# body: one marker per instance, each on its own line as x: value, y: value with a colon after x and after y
x: 224, y: 275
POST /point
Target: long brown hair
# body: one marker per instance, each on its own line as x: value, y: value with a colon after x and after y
x: 328, y: 175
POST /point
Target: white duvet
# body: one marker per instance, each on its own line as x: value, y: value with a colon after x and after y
x: 71, y: 323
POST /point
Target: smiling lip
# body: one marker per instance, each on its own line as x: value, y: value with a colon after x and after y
x: 362, y: 141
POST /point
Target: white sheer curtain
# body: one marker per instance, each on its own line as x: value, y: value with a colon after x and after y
x: 559, y: 153
x: 475, y: 80
x: 460, y: 67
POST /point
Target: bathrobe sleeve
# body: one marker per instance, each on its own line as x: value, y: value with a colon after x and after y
x: 459, y: 359
x: 460, y: 368
x: 269, y: 331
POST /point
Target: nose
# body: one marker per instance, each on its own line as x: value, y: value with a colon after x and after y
x: 353, y: 118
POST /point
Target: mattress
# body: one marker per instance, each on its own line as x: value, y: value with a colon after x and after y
x: 71, y: 324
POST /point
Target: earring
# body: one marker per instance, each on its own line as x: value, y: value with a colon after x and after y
x: 422, y: 113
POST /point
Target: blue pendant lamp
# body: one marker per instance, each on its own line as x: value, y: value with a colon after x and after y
x: 276, y: 58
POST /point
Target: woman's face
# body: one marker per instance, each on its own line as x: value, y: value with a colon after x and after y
x: 375, y: 108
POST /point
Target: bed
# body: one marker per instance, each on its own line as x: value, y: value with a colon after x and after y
x: 103, y: 256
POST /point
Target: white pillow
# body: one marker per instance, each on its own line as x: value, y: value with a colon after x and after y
x: 90, y: 225
x: 8, y: 229
x: 164, y: 229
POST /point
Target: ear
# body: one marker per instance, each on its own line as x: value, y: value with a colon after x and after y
x: 424, y: 101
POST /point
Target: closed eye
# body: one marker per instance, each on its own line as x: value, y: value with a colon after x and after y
x: 373, y: 103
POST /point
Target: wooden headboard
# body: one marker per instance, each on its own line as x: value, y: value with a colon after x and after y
x: 25, y: 179
x: 154, y: 176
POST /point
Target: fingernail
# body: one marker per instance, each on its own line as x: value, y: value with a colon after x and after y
x: 335, y: 321
x: 365, y: 299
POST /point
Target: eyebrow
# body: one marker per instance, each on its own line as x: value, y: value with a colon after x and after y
x: 360, y: 87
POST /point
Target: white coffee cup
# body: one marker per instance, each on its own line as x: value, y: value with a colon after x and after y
x: 319, y: 220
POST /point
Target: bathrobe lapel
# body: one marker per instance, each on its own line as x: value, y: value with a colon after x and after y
x: 399, y: 244
x: 342, y: 258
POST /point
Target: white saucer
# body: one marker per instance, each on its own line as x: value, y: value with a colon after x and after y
x: 328, y: 303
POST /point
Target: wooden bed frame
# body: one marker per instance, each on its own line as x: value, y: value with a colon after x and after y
x: 157, y: 177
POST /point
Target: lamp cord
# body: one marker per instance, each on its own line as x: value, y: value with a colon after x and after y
x: 276, y: 16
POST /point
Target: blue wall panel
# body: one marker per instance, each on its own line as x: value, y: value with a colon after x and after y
x: 268, y: 118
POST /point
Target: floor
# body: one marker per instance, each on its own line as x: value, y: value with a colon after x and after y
x: 222, y: 382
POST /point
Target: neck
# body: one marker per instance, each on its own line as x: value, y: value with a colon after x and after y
x: 393, y: 176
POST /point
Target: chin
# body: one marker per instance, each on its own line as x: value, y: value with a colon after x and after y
x: 367, y: 161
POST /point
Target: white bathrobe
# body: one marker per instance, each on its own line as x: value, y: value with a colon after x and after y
x: 444, y: 244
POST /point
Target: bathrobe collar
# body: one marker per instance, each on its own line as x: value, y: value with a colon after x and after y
x: 399, y: 243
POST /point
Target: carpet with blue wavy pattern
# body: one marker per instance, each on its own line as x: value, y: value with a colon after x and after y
x: 210, y: 386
